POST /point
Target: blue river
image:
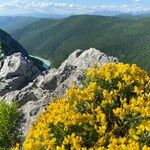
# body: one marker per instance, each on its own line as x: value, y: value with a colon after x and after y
x: 46, y: 63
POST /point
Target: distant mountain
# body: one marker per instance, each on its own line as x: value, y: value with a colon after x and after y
x: 99, y: 13
x: 107, y: 13
x: 47, y: 15
x: 145, y: 14
x: 14, y: 22
x: 126, y: 38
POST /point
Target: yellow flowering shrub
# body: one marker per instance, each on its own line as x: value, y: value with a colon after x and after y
x: 111, y: 111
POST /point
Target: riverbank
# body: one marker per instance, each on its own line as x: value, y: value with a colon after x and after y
x: 46, y: 63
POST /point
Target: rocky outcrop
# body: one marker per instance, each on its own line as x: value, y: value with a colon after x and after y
x: 16, y: 72
x: 72, y: 69
x: 51, y: 84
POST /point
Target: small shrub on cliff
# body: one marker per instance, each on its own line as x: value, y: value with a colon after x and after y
x: 111, y: 111
x: 9, y: 133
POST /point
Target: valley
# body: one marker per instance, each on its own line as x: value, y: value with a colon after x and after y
x: 126, y: 37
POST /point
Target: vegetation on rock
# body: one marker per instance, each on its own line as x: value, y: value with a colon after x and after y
x: 9, y: 125
x: 110, y: 111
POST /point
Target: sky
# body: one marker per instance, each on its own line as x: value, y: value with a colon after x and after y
x: 23, y: 7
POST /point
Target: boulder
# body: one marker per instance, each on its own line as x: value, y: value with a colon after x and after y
x: 15, y: 73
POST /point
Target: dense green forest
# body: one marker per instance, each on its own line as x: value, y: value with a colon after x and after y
x: 127, y: 38
x: 8, y: 45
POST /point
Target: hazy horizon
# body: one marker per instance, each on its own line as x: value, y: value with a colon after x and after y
x: 70, y: 7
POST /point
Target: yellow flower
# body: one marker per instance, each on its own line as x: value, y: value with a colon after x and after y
x: 16, y: 147
x: 111, y: 112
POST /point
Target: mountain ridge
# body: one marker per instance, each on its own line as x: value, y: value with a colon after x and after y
x: 126, y: 38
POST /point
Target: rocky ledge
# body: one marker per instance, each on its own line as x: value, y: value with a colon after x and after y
x: 21, y: 81
x: 15, y: 73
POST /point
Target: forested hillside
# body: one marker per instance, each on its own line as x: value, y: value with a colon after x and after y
x: 8, y: 45
x: 126, y: 38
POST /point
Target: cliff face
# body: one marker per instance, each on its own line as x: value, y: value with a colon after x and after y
x: 8, y: 45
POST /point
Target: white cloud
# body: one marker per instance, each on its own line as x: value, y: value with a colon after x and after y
x: 32, y: 6
x: 136, y: 2
x: 16, y: 6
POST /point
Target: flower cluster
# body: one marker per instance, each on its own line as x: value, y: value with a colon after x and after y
x: 110, y: 111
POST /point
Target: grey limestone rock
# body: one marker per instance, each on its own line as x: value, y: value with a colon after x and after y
x: 15, y: 73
